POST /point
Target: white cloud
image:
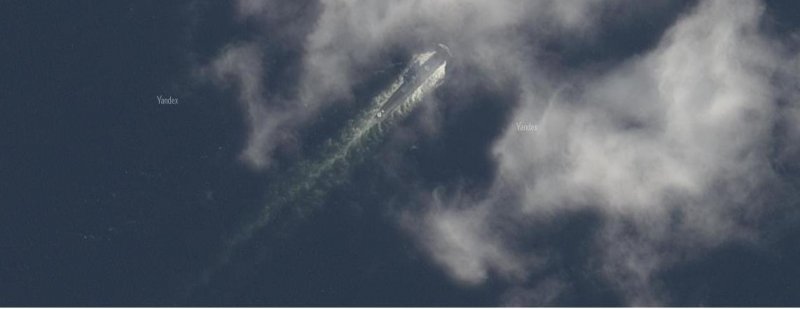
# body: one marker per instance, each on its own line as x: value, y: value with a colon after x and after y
x: 240, y: 65
x: 349, y: 37
x: 663, y: 125
x: 667, y: 146
x: 468, y: 243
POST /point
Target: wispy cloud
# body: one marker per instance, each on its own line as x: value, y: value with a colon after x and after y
x: 669, y: 147
x: 348, y: 37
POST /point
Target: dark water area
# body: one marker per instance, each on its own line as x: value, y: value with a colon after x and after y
x: 118, y: 200
x: 109, y: 198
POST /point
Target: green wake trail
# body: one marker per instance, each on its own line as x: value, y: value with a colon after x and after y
x: 308, y: 183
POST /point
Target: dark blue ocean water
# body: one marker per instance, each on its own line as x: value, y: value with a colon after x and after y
x: 108, y: 198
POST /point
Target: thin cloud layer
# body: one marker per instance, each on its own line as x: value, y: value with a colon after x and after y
x: 241, y: 66
x: 671, y: 147
x: 350, y: 37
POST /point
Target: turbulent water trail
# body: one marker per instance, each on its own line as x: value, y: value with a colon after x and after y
x: 313, y: 179
x: 308, y: 183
